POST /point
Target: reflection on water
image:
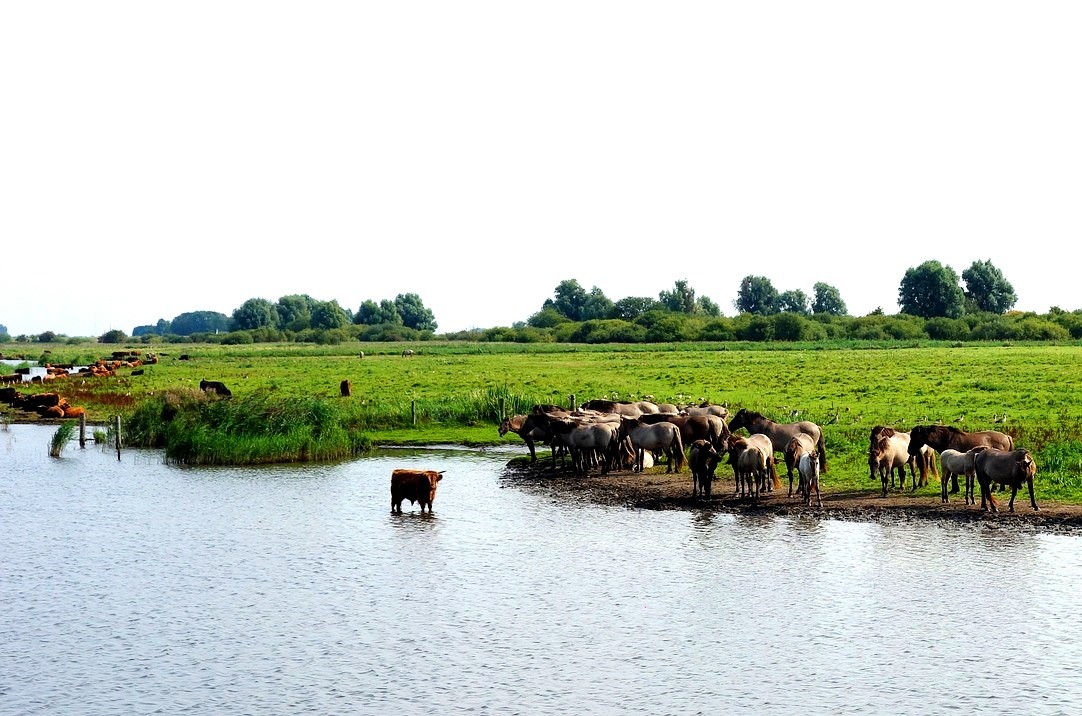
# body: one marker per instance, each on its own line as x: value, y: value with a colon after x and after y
x: 132, y: 586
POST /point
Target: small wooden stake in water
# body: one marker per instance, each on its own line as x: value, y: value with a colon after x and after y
x: 82, y: 430
x: 117, y: 426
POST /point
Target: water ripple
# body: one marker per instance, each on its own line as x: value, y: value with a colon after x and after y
x: 133, y: 587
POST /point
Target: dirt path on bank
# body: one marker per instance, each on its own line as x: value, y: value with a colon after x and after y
x: 660, y: 491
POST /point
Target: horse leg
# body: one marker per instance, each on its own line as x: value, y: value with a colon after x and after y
x: 1014, y: 491
x: 1032, y: 502
x: 943, y: 488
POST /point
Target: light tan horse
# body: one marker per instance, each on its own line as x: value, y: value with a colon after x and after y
x: 661, y: 437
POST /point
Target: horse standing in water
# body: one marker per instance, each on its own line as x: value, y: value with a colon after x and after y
x: 780, y: 433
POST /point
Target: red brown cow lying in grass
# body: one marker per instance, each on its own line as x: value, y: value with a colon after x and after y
x: 414, y: 485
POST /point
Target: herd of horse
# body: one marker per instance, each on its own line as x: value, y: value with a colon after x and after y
x: 610, y: 435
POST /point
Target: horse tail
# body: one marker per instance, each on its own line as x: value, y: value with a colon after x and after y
x: 933, y: 466
x: 821, y: 448
x: 773, y: 464
x: 678, y: 448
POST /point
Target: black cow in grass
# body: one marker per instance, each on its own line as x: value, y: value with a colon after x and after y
x: 214, y: 386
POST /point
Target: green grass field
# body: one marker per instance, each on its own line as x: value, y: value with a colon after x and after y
x: 455, y: 392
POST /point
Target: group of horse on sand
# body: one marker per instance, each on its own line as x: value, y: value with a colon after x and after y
x: 612, y: 435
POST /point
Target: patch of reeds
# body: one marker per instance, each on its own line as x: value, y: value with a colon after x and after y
x: 63, y: 435
x: 197, y: 429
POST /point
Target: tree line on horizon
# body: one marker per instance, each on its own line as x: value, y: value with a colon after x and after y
x: 931, y: 297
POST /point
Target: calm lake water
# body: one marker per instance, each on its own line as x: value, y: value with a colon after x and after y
x: 133, y: 587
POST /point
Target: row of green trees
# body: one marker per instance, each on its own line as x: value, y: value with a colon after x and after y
x: 928, y: 291
x: 298, y: 313
x: 668, y: 327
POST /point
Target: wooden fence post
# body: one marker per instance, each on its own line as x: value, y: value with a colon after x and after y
x: 572, y: 400
x: 116, y: 426
x: 413, y: 411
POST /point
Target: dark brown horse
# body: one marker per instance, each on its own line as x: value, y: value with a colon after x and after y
x: 1006, y: 467
x: 695, y: 427
x: 517, y: 424
x: 780, y: 433
x: 942, y: 437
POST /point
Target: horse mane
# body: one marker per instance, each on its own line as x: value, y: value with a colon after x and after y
x: 751, y: 414
x: 879, y: 430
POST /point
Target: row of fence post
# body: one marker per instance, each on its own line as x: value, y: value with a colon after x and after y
x: 116, y: 432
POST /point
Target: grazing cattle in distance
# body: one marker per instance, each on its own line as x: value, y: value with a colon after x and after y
x: 184, y: 356
x: 414, y: 485
x: 214, y: 386
x: 703, y: 459
x: 941, y: 437
x: 1007, y: 467
x: 43, y: 400
x: 361, y: 354
x: 957, y: 463
x: 346, y: 388
x: 407, y: 353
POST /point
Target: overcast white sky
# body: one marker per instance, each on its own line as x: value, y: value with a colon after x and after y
x: 159, y: 158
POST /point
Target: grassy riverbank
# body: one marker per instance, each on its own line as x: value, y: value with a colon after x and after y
x: 287, y: 406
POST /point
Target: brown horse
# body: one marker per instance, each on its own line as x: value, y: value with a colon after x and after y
x: 534, y: 431
x: 1007, y: 467
x: 703, y: 459
x: 695, y: 427
x: 942, y: 437
x: 780, y: 433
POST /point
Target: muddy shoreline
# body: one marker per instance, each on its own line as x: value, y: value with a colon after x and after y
x: 661, y: 491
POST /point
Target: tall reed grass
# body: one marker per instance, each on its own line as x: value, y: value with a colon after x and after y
x: 198, y: 429
x: 63, y: 435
